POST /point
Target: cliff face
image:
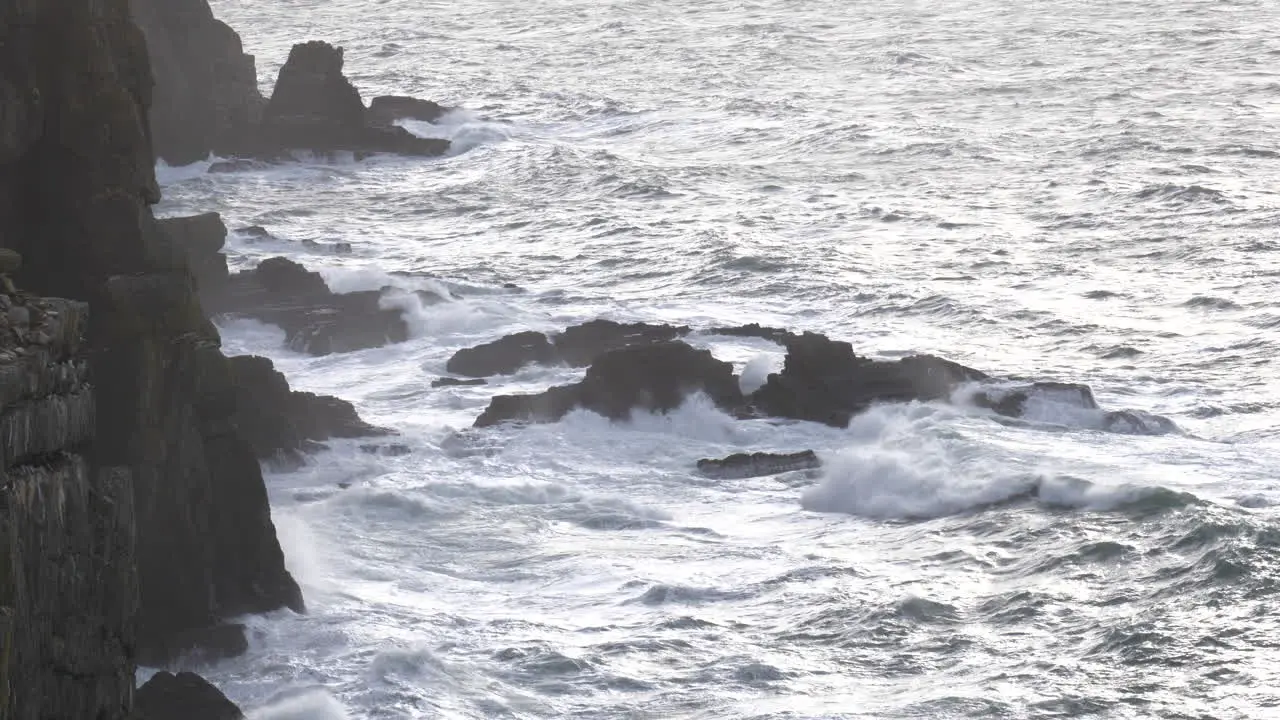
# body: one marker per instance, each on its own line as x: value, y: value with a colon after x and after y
x: 206, y: 86
x: 68, y: 593
x: 76, y: 182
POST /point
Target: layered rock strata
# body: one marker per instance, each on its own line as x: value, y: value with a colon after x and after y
x: 155, y: 461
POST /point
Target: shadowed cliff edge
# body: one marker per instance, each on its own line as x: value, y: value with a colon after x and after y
x: 133, y: 516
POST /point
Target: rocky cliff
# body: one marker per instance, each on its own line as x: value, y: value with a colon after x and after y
x: 206, y: 87
x: 68, y: 590
x: 157, y: 441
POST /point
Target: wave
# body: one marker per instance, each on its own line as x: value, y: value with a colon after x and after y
x: 309, y: 705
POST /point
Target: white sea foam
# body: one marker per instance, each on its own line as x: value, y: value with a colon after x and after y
x: 311, y: 705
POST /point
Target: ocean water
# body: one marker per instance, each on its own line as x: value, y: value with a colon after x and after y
x: 1058, y: 190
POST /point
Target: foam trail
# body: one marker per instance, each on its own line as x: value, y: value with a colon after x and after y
x: 311, y: 705
x: 463, y: 128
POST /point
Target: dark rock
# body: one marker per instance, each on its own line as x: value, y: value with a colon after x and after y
x: 745, y: 465
x: 392, y: 450
x: 580, y: 345
x: 1054, y: 398
x: 315, y: 320
x: 337, y: 248
x: 255, y: 231
x: 453, y: 382
x: 778, y: 335
x: 577, y: 346
x: 824, y: 381
x: 235, y: 165
x: 656, y: 377
x: 208, y: 644
x: 315, y: 107
x: 386, y: 109
x: 1138, y: 422
x: 137, y: 512
x: 206, y: 88
x: 503, y: 356
x: 185, y: 696
x: 311, y: 85
x: 1013, y: 401
x: 547, y: 406
x: 279, y: 422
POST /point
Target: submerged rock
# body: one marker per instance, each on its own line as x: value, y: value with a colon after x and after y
x: 576, y: 346
x: 208, y: 644
x: 824, y: 381
x: 386, y: 109
x: 580, y: 345
x: 315, y: 107
x: 503, y: 356
x: 456, y: 382
x: 315, y: 320
x: 656, y: 377
x: 758, y: 464
x: 756, y: 330
x: 1014, y: 401
x: 280, y: 423
x: 206, y: 88
x: 185, y: 696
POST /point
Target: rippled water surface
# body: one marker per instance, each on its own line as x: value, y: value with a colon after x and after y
x: 1066, y: 190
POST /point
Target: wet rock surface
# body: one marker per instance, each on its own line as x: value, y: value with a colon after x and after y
x: 576, y: 346
x: 822, y: 380
x: 758, y: 464
x: 315, y: 107
x: 184, y: 696
x: 654, y: 377
x: 282, y: 292
x: 387, y: 109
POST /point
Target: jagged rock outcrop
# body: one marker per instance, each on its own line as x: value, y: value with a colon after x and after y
x: 758, y: 464
x: 185, y: 696
x: 823, y: 380
x: 206, y: 88
x: 656, y: 377
x: 76, y: 182
x: 315, y: 107
x: 576, y: 346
